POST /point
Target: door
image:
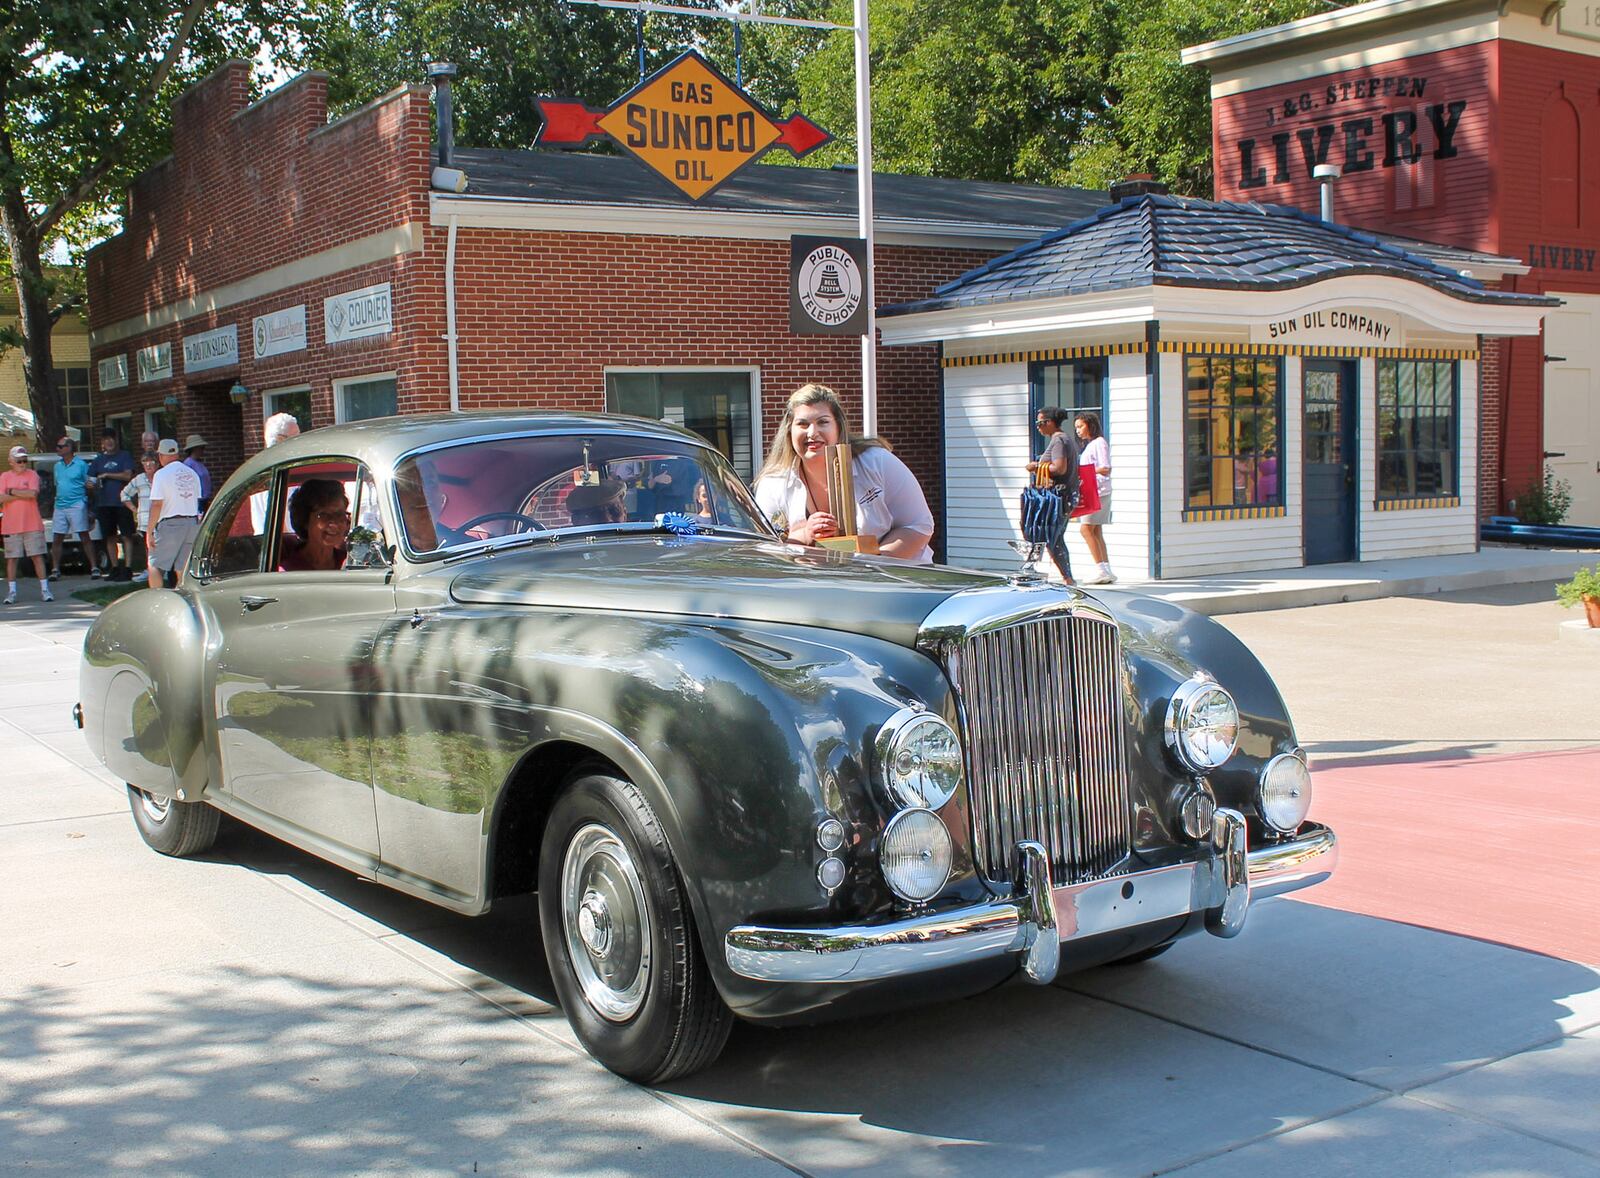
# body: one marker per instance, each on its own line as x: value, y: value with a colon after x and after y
x: 1571, y: 416
x: 291, y: 668
x: 1330, y: 458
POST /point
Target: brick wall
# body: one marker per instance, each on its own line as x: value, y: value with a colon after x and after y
x: 249, y: 187
x: 1266, y: 140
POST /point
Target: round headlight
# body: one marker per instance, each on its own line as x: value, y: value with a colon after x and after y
x: 1202, y: 725
x: 916, y: 855
x: 921, y: 758
x: 1285, y: 792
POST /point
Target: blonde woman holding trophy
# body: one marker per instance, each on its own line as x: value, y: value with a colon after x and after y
x: 815, y: 466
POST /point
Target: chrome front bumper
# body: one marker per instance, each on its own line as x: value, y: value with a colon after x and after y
x: 1035, y: 923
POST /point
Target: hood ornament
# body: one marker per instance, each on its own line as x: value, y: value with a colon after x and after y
x: 1031, y: 554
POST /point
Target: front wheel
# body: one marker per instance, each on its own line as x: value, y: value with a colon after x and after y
x: 173, y: 828
x: 620, y: 937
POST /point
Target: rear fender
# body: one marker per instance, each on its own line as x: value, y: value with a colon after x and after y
x: 140, y: 686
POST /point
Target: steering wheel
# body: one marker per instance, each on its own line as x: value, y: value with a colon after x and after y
x: 530, y: 524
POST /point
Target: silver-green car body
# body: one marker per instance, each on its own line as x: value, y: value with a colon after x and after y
x: 416, y: 721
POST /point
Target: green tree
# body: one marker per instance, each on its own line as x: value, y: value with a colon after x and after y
x: 508, y: 52
x: 85, y: 90
x: 1034, y: 91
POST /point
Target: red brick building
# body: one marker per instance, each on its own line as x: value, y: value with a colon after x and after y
x: 1470, y: 124
x: 277, y: 261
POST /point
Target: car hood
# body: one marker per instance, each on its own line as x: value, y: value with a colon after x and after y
x: 712, y: 577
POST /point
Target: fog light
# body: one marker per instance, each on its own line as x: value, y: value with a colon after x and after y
x: 1196, y: 810
x: 1285, y: 796
x: 916, y: 855
x: 830, y: 873
x: 830, y: 834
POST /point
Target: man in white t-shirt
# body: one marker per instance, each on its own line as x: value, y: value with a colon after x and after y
x: 174, y: 516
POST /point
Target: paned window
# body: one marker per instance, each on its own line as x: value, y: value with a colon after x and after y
x: 1078, y: 386
x: 162, y: 423
x: 73, y: 385
x: 292, y: 401
x: 369, y: 396
x: 1232, y: 431
x: 1417, y: 428
x: 716, y: 405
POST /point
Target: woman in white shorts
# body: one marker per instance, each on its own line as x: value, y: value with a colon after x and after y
x: 1096, y: 452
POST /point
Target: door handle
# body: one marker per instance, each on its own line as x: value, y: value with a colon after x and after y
x: 251, y: 603
x: 1555, y: 453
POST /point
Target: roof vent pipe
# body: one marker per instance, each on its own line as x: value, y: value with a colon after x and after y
x: 1138, y: 184
x: 440, y: 73
x: 1325, y: 175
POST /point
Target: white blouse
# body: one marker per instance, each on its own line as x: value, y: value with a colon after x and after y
x: 887, y: 497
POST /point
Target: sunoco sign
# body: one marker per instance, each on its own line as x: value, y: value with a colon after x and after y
x: 686, y: 122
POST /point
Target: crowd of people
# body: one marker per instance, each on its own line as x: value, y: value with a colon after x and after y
x: 160, y: 498
x: 155, y: 502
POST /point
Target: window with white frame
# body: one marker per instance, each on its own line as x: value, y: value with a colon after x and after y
x: 717, y: 404
x: 295, y: 401
x: 123, y: 424
x: 161, y: 422
x: 362, y: 397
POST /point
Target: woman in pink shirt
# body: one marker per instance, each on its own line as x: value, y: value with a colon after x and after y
x: 21, y: 524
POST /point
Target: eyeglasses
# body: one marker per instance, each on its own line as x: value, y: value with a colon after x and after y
x: 329, y: 517
x: 63, y: 445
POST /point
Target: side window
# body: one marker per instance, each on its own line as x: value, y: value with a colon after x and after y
x: 235, y: 534
x: 330, y: 521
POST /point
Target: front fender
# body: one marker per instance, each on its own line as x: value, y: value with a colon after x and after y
x: 1166, y: 644
x: 140, y: 687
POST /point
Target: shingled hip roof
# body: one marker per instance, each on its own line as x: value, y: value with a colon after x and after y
x: 1157, y: 240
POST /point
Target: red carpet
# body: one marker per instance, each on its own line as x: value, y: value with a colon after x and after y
x: 1503, y: 848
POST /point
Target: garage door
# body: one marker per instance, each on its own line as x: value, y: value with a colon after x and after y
x: 1571, y: 415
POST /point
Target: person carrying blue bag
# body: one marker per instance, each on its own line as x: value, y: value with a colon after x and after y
x: 1047, y: 506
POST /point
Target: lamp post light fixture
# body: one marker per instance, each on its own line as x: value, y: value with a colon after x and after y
x: 171, y: 402
x: 239, y: 393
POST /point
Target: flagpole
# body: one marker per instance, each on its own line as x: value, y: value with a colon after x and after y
x: 869, y: 349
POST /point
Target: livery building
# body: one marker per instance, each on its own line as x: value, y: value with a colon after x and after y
x: 1473, y: 124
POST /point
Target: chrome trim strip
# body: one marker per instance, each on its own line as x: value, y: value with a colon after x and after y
x: 935, y: 940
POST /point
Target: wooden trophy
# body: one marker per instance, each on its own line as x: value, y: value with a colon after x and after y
x: 842, y: 504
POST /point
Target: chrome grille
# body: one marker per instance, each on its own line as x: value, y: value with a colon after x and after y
x: 1041, y: 705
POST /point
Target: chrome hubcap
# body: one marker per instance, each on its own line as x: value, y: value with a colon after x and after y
x: 606, y: 923
x: 155, y: 808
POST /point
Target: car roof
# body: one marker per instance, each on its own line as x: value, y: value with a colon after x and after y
x: 380, y: 442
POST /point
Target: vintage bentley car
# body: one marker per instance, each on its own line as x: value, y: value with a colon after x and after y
x: 566, y: 654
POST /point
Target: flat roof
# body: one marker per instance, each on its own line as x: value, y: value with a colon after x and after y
x: 1337, y: 24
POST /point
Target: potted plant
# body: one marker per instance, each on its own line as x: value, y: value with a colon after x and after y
x: 1584, y: 587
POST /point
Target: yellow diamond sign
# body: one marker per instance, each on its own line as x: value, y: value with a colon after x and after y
x: 686, y: 122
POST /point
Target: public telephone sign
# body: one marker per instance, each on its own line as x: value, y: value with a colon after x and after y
x: 686, y: 122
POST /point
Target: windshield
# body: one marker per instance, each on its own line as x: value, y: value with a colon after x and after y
x: 458, y: 496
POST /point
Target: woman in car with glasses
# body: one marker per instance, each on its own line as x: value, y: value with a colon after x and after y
x: 319, y: 513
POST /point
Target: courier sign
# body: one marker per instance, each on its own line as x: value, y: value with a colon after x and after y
x: 686, y: 122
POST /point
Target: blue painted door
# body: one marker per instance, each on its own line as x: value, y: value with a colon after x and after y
x: 1330, y: 460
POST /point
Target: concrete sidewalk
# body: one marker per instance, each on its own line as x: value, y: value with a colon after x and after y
x: 1230, y: 593
x: 259, y: 1011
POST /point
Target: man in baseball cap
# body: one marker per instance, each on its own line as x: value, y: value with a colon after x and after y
x: 174, y: 515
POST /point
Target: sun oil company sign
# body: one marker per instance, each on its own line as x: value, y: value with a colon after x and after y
x: 358, y: 314
x: 1354, y: 327
x: 686, y: 122
x: 280, y: 332
x: 827, y: 285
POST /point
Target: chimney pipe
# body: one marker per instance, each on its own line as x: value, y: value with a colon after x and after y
x: 440, y: 73
x: 1325, y: 175
x: 1138, y: 184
